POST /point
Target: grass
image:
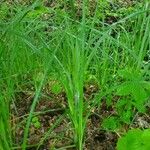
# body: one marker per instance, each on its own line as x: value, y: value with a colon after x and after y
x: 72, y: 70
x: 33, y: 48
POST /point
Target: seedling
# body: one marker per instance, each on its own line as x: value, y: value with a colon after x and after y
x: 36, y: 122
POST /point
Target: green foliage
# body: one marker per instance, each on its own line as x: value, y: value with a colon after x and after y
x: 56, y: 88
x: 133, y: 92
x: 36, y: 122
x: 111, y: 123
x: 5, y: 138
x: 124, y: 110
x: 92, y: 79
x: 37, y: 77
x: 113, y: 10
x: 135, y: 86
x: 39, y: 40
x: 135, y: 139
x: 38, y: 12
x: 4, y: 9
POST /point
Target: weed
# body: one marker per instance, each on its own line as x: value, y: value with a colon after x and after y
x: 134, y: 139
x: 134, y: 86
x: 36, y: 122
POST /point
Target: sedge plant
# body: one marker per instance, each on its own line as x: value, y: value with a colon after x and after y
x: 73, y: 59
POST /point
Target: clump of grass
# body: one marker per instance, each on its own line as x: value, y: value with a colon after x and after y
x: 70, y: 51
